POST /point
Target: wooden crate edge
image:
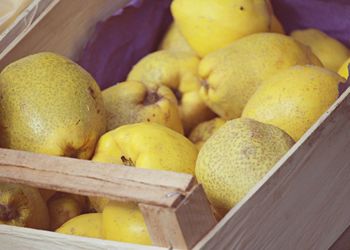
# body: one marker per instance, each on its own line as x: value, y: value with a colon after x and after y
x: 24, y: 23
x: 265, y: 226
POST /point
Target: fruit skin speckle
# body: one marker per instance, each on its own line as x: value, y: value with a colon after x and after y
x: 293, y: 99
x: 232, y: 74
x: 42, y: 98
x: 236, y: 157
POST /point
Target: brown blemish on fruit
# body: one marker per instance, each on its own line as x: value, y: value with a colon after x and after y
x: 73, y: 152
x: 241, y: 8
x: 92, y: 93
x: 7, y: 213
x: 70, y: 151
x: 205, y: 85
x: 127, y: 162
x: 151, y: 98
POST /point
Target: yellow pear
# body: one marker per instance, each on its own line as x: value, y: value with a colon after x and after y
x: 23, y: 206
x: 98, y: 203
x: 61, y: 210
x: 203, y: 131
x: 294, y: 99
x: 236, y: 157
x: 145, y: 145
x: 344, y: 69
x: 124, y: 222
x: 232, y: 75
x: 50, y: 105
x: 178, y: 71
x: 331, y: 52
x: 209, y: 25
x: 174, y: 40
x: 87, y: 225
x: 133, y: 102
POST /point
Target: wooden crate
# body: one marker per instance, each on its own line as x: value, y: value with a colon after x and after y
x: 24, y: 23
x: 302, y: 203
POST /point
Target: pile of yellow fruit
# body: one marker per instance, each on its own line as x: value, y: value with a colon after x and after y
x: 224, y: 98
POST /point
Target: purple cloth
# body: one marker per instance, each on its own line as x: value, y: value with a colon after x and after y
x: 330, y: 16
x: 123, y: 39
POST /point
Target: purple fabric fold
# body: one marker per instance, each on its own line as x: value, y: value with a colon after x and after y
x: 330, y: 16
x: 123, y: 39
x: 131, y: 33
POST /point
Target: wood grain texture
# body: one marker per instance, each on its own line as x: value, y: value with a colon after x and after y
x: 181, y: 227
x: 65, y: 29
x: 94, y: 179
x: 303, y: 202
x: 24, y: 23
x: 24, y: 238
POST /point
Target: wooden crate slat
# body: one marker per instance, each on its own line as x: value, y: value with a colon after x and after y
x: 24, y: 238
x: 95, y: 179
x: 303, y: 203
x: 24, y: 23
x: 78, y: 18
x: 180, y: 227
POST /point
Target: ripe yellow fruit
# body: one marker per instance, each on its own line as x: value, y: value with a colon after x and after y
x: 236, y: 157
x: 147, y: 145
x: 331, y: 52
x: 174, y: 40
x: 62, y: 209
x: 178, y: 71
x: 50, y: 105
x: 87, y: 225
x: 98, y: 203
x: 294, y: 99
x: 344, y: 69
x: 209, y: 25
x: 23, y: 206
x: 203, y: 131
x: 232, y: 75
x: 124, y: 222
x: 133, y: 102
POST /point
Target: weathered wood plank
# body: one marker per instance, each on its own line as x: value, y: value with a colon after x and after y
x: 95, y: 179
x: 303, y: 202
x: 24, y: 23
x: 24, y: 238
x: 180, y: 227
x: 65, y: 29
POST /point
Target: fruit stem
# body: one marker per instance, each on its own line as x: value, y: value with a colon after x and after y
x: 151, y: 98
x: 127, y: 162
